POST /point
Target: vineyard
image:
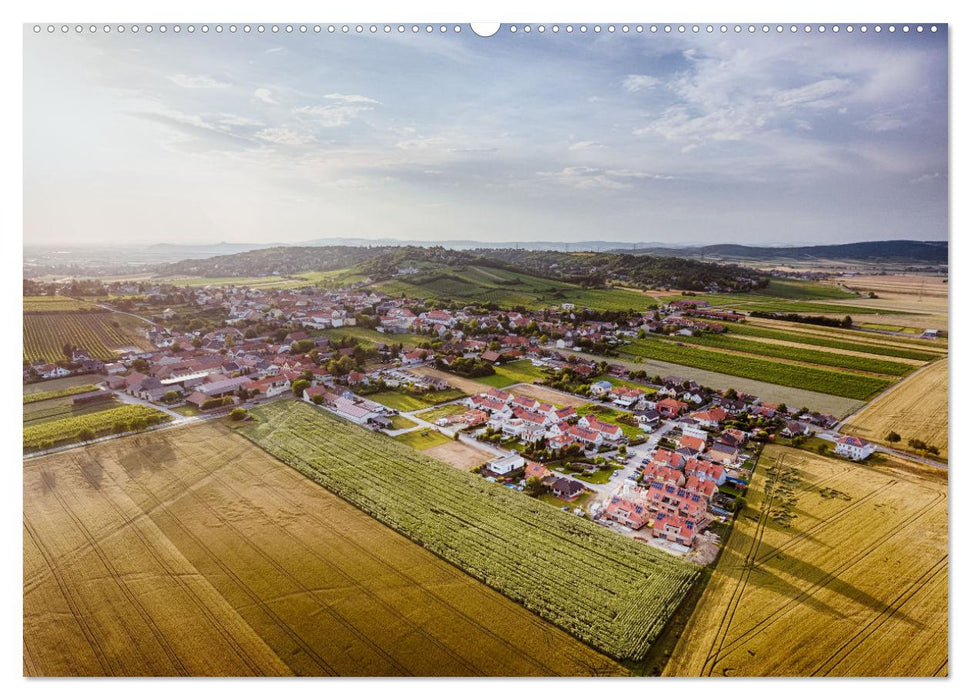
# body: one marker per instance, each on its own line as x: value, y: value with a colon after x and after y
x: 68, y: 430
x: 58, y: 393
x: 607, y: 590
x: 852, y: 386
x: 100, y: 333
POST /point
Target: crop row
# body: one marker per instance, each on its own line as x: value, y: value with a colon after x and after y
x: 67, y: 430
x: 853, y: 386
x: 58, y: 393
x: 786, y: 352
x: 810, y: 339
x: 46, y: 334
x: 609, y: 591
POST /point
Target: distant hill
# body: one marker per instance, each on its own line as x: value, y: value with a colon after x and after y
x: 412, y: 263
x: 916, y: 252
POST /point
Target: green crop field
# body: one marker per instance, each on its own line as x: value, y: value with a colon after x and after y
x: 787, y: 352
x: 58, y: 393
x: 513, y: 373
x: 66, y: 430
x: 607, y: 590
x: 807, y: 339
x: 853, y: 386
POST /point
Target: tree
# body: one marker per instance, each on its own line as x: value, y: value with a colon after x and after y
x: 822, y: 449
x: 933, y: 449
x: 317, y: 399
x: 238, y: 414
x: 893, y: 437
x: 140, y: 365
x: 299, y: 386
x: 535, y: 486
x: 846, y: 322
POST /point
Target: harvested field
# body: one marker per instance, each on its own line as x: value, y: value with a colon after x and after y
x: 609, y: 591
x: 193, y: 552
x: 459, y: 454
x: 833, y: 569
x: 912, y: 285
x: 42, y: 304
x: 915, y: 408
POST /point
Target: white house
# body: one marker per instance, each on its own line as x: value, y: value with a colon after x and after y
x: 854, y: 448
x: 506, y: 465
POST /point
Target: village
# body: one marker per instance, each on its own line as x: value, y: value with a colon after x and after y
x: 659, y: 459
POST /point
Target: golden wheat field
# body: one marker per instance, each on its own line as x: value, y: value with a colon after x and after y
x: 193, y: 552
x: 915, y: 408
x: 833, y: 569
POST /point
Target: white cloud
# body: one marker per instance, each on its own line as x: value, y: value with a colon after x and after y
x: 585, y: 145
x: 196, y: 81
x: 284, y: 136
x: 819, y: 94
x: 265, y: 95
x: 636, y: 83
x: 351, y: 99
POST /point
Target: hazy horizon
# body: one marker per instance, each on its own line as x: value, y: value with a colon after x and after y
x: 678, y: 140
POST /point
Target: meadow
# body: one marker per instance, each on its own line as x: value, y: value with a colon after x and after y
x: 833, y: 569
x: 369, y: 337
x: 607, y: 590
x: 915, y: 408
x: 101, y: 333
x: 194, y: 552
x: 853, y: 386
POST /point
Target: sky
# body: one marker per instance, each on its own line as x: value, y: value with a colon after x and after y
x: 680, y: 139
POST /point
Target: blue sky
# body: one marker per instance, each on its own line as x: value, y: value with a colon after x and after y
x: 682, y: 139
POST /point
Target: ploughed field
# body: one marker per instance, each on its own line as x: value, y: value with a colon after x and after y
x: 611, y: 592
x: 194, y: 552
x: 833, y: 569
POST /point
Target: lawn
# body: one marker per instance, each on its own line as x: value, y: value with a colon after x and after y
x: 609, y: 591
x: 422, y: 439
x: 400, y: 423
x: 610, y: 415
x: 513, y: 373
